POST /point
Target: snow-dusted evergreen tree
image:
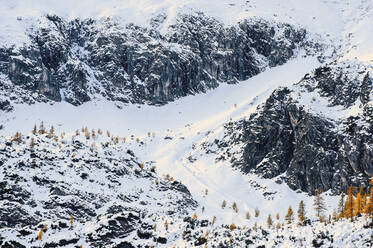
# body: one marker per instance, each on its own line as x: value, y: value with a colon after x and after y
x: 341, y: 206
x: 319, y: 205
x: 301, y: 213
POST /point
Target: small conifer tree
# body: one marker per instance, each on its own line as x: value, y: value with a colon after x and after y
x: 17, y: 137
x: 232, y: 227
x: 269, y: 221
x: 194, y: 216
x: 213, y: 220
x: 349, y: 206
x: 257, y: 212
x: 341, y: 206
x: 301, y: 213
x: 32, y: 143
x: 234, y: 206
x: 255, y: 227
x: 223, y: 204
x: 289, y: 216
x: 34, y: 130
x: 71, y: 220
x: 166, y: 225
x: 248, y: 215
x: 319, y: 204
x: 41, y: 128
x: 40, y: 234
x: 364, y: 201
x: 278, y: 226
x: 51, y: 130
x: 358, y: 205
x: 334, y: 215
x: 369, y: 205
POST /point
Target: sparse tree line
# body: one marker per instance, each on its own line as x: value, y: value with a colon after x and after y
x: 351, y: 205
x: 357, y: 204
x: 88, y: 134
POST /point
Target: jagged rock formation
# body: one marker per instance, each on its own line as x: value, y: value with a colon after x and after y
x: 289, y: 137
x: 46, y: 179
x: 80, y: 59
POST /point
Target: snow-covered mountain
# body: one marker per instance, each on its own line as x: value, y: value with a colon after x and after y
x: 257, y: 104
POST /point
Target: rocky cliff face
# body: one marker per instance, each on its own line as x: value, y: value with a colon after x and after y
x: 296, y: 136
x: 79, y: 60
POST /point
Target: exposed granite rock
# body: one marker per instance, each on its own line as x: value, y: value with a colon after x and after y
x: 308, y: 150
x: 80, y: 59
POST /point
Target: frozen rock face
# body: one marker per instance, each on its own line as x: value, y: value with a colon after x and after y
x: 46, y: 179
x: 82, y: 59
x: 300, y: 143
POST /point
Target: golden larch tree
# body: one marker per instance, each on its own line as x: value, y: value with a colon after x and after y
x: 71, y: 220
x: 301, y: 213
x: 194, y: 216
x: 277, y: 216
x: 289, y: 215
x: 358, y: 203
x: 349, y: 205
x: 269, y: 221
x: 40, y: 234
x: 34, y: 130
x: 248, y: 215
x: 257, y: 212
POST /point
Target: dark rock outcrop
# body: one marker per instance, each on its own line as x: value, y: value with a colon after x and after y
x: 42, y: 188
x: 309, y: 151
x: 80, y: 59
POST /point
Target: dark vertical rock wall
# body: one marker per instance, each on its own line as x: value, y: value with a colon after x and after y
x: 307, y: 150
x: 76, y: 60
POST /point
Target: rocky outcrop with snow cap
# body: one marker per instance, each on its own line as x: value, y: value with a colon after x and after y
x: 314, y: 135
x: 83, y: 59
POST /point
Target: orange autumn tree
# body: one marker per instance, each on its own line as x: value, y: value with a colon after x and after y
x: 368, y: 209
x: 358, y: 203
x: 349, y: 205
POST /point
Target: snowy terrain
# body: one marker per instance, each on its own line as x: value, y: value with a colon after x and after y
x: 172, y: 137
x: 344, y: 22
